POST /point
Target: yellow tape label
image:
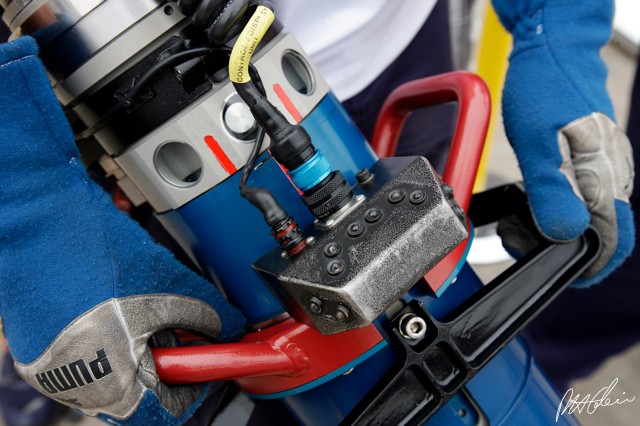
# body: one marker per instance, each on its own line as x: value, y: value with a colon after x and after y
x: 247, y: 41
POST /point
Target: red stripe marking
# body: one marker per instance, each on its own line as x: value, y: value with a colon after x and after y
x: 289, y: 228
x: 222, y: 158
x: 287, y: 103
x: 297, y: 249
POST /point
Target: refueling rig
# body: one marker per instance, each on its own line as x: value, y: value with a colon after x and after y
x: 348, y: 263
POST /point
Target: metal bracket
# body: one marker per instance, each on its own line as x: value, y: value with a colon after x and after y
x: 450, y: 353
x: 406, y: 223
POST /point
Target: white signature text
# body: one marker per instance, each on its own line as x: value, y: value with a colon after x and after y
x: 589, y: 403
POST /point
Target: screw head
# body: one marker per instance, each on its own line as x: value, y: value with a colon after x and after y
x: 395, y: 196
x: 315, y: 305
x: 412, y: 327
x: 310, y: 240
x: 373, y: 215
x: 335, y: 267
x: 332, y: 249
x: 355, y: 229
x: 417, y: 197
x: 342, y: 313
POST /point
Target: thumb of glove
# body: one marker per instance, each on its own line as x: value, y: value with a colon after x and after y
x: 597, y: 160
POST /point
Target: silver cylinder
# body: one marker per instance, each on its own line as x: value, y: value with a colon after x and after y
x: 84, y: 42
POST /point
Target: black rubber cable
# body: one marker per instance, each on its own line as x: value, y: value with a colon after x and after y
x: 179, y: 57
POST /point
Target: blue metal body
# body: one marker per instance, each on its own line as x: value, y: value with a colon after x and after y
x: 226, y: 235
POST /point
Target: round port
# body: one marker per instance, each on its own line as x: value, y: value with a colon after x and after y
x: 297, y: 72
x: 238, y: 120
x: 178, y: 164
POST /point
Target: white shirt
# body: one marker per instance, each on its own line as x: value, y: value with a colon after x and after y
x: 353, y: 41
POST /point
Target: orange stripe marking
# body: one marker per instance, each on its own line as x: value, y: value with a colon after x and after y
x: 282, y: 95
x: 220, y: 155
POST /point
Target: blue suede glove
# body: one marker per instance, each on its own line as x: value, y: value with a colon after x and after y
x: 576, y: 163
x: 82, y: 287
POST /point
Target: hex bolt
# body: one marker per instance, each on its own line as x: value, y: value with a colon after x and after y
x: 315, y: 305
x: 395, y: 196
x: 335, y: 267
x: 417, y: 197
x: 342, y: 313
x: 412, y: 327
x: 355, y: 229
x: 332, y: 249
x: 373, y: 215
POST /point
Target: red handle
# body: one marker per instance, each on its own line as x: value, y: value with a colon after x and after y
x: 283, y: 356
x: 198, y: 364
x: 474, y: 111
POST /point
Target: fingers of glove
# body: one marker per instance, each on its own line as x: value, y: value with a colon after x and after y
x: 151, y: 314
x: 107, y: 349
x: 94, y: 252
x: 600, y: 168
x: 511, y: 12
x: 62, y: 260
x: 151, y: 411
x: 626, y: 241
x: 533, y: 113
x: 518, y: 235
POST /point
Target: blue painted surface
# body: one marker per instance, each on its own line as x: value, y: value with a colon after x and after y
x: 512, y: 390
x: 226, y: 234
x: 344, y: 370
x: 328, y: 404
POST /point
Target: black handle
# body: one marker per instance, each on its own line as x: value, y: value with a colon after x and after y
x: 452, y: 351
